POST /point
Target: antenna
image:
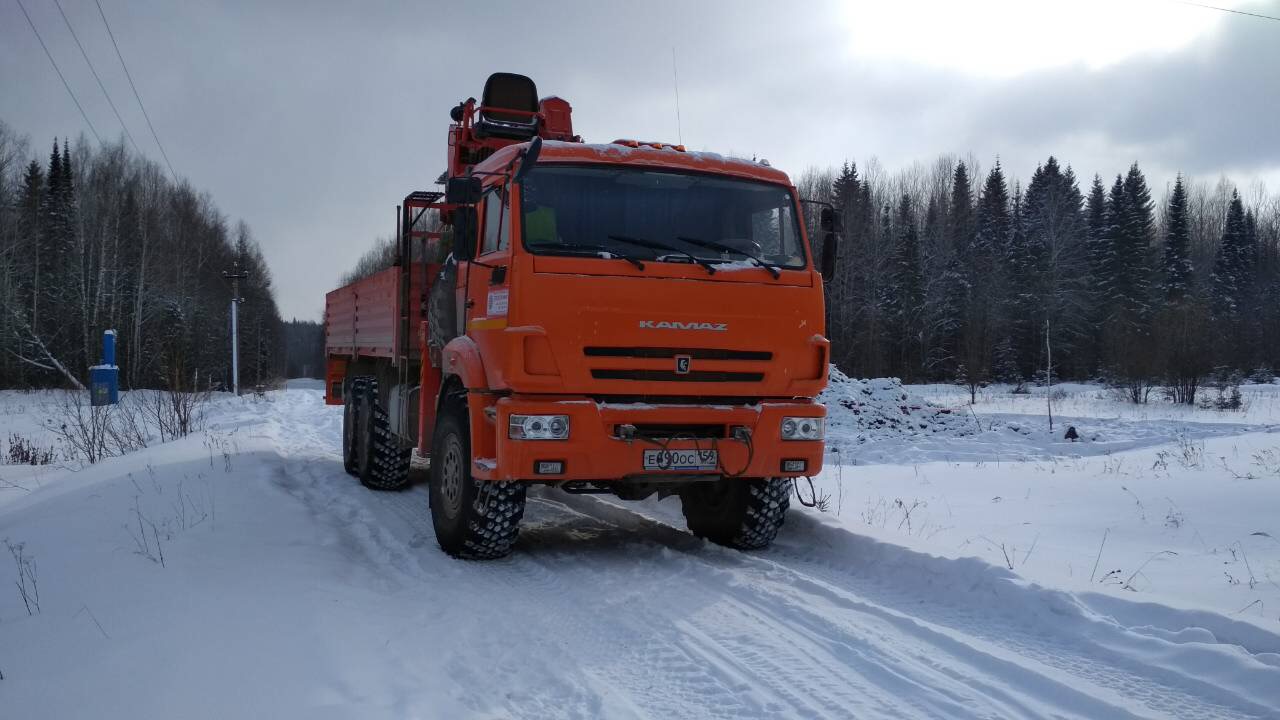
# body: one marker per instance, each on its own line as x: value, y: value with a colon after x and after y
x: 675, y: 78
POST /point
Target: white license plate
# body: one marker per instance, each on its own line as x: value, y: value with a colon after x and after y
x: 681, y: 459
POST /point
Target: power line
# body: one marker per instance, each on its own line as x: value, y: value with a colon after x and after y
x: 95, y: 77
x: 1228, y: 10
x: 136, y: 96
x: 65, y: 84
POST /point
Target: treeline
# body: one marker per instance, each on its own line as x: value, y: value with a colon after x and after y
x: 304, y: 349
x: 93, y: 238
x: 945, y: 277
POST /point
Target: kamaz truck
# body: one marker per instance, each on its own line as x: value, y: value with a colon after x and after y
x: 630, y: 318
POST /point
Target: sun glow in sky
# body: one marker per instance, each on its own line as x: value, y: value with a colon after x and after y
x: 1004, y: 38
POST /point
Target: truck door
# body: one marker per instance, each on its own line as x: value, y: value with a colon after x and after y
x: 489, y: 281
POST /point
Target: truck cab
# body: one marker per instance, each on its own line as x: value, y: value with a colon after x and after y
x: 628, y: 318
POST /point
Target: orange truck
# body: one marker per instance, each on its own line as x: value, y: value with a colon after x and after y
x: 629, y: 318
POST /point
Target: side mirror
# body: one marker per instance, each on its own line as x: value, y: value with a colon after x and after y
x: 528, y: 159
x: 465, y: 226
x: 827, y: 219
x: 463, y: 190
x: 829, y: 252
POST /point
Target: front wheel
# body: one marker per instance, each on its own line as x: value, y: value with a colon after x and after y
x: 742, y: 514
x: 473, y: 519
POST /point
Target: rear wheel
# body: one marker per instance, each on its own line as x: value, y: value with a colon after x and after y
x: 380, y: 461
x: 473, y: 519
x: 351, y: 398
x: 743, y: 514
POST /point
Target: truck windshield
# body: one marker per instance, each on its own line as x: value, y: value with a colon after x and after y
x: 701, y: 217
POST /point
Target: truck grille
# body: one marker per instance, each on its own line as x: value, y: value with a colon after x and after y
x: 669, y: 375
x: 672, y: 376
x: 667, y: 352
x: 716, y: 400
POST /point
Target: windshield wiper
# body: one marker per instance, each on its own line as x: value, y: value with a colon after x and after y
x: 652, y: 245
x: 589, y: 250
x: 713, y: 245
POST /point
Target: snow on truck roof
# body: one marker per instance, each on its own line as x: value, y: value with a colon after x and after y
x: 642, y: 153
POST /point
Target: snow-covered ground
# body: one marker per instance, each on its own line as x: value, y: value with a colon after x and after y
x: 1172, y: 504
x: 240, y: 573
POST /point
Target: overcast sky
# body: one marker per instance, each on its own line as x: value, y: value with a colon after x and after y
x: 310, y: 120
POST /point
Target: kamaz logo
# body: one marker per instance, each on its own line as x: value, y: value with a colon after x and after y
x: 677, y: 325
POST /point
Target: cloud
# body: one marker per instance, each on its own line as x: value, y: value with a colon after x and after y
x: 1211, y: 106
x: 311, y: 120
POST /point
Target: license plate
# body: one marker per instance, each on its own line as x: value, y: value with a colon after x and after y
x: 681, y: 459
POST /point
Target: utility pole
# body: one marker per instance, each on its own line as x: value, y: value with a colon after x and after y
x: 1048, y: 373
x: 235, y: 276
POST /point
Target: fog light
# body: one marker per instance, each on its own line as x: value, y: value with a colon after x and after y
x: 803, y: 428
x: 548, y: 467
x: 538, y: 427
x: 793, y: 466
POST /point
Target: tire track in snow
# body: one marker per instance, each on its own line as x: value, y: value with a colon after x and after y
x: 1064, y: 637
x: 862, y: 650
x: 637, y: 618
x: 391, y: 531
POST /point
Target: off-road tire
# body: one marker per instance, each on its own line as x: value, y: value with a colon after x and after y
x: 473, y: 519
x: 380, y: 461
x: 351, y: 399
x: 742, y: 514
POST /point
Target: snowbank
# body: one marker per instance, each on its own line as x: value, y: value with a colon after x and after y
x: 881, y: 421
x: 859, y: 411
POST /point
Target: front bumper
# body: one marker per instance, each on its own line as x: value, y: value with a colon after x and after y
x: 595, y: 452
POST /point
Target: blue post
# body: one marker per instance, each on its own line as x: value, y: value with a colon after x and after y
x: 104, y: 379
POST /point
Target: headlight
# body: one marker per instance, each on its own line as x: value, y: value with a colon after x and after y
x: 538, y: 427
x: 803, y: 428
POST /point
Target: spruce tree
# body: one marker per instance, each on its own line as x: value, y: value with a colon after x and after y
x: 1096, y: 218
x: 1014, y: 354
x: 1177, y: 276
x: 1231, y: 266
x: 993, y: 219
x: 1112, y: 255
x: 960, y: 227
x: 1137, y: 230
x: 1126, y: 286
x: 1054, y: 269
x: 30, y: 203
x: 907, y: 292
x: 52, y: 267
x: 983, y: 281
x: 845, y: 189
x: 958, y: 241
x: 1095, y: 250
x: 1181, y: 325
x: 846, y: 194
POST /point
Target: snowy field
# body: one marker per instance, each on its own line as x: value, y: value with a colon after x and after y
x: 965, y: 563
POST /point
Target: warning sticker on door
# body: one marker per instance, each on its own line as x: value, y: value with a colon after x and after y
x: 497, y: 304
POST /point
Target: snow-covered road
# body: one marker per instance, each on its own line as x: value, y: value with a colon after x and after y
x: 310, y: 596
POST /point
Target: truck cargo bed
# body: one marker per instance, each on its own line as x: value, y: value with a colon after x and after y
x: 363, y: 319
